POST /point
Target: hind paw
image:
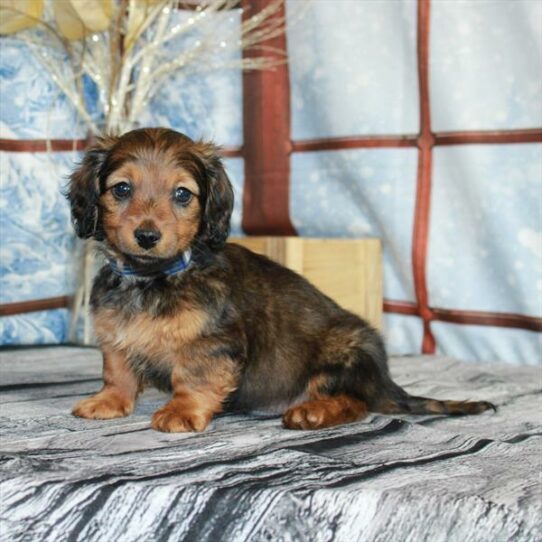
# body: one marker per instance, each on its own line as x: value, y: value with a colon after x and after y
x: 324, y: 412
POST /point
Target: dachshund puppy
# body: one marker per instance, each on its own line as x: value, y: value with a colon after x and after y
x: 218, y: 326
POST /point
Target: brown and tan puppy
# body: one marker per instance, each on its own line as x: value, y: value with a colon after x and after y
x: 218, y: 326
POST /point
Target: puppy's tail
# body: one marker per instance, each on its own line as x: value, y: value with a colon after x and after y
x: 399, y: 401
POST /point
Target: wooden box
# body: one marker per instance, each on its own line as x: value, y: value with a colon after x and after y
x: 347, y: 270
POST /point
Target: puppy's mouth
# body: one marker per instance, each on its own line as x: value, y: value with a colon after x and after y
x: 138, y: 261
x: 145, y: 261
x: 150, y: 266
x: 144, y: 257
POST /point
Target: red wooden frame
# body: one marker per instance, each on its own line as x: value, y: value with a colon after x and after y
x: 34, y: 305
x: 266, y: 127
x: 266, y: 152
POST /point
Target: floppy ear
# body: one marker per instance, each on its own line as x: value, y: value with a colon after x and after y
x: 215, y: 225
x: 83, y: 191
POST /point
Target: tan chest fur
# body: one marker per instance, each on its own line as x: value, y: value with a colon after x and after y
x: 149, y: 336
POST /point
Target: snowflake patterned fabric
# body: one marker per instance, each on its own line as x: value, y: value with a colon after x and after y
x: 354, y: 63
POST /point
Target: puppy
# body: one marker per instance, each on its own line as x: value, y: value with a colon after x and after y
x: 218, y: 326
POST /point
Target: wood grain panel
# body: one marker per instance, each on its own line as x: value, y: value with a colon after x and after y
x: 248, y: 479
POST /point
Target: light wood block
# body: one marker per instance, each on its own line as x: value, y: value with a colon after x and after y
x: 347, y: 270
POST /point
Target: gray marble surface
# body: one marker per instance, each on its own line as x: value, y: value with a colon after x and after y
x: 247, y: 479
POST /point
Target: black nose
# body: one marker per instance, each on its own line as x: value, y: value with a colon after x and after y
x: 147, y: 238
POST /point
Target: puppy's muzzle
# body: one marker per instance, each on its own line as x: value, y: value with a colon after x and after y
x: 147, y: 238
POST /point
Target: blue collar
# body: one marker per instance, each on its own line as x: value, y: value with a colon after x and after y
x: 172, y: 268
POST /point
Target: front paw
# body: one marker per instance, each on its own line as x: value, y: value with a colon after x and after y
x: 103, y: 406
x: 171, y: 420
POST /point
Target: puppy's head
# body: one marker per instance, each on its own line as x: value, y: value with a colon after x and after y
x: 151, y: 194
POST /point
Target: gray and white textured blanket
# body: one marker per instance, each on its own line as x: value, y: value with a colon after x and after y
x: 248, y: 479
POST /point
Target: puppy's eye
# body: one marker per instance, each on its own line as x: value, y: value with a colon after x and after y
x: 182, y: 196
x: 122, y: 191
